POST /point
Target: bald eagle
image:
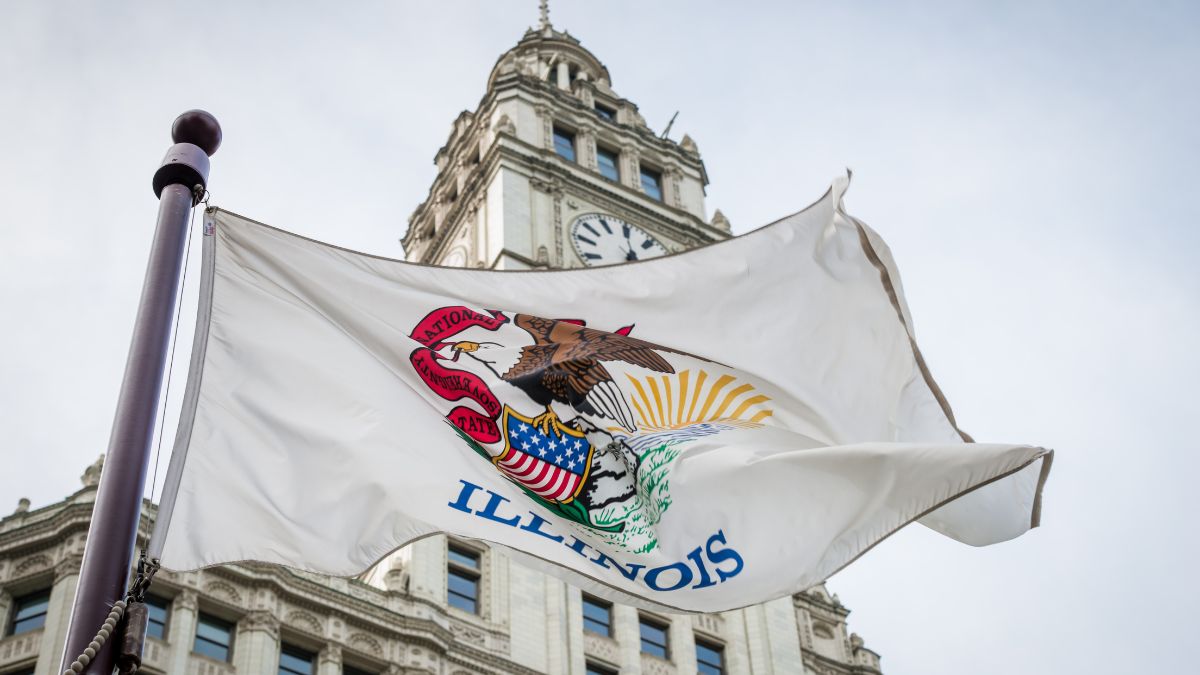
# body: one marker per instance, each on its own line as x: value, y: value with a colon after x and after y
x: 564, y: 364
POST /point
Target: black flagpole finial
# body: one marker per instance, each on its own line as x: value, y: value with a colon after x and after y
x: 199, y: 128
x: 197, y: 136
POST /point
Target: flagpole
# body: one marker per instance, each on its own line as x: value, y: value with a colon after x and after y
x: 112, y: 535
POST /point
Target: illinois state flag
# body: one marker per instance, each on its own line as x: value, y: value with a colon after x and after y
x: 698, y: 432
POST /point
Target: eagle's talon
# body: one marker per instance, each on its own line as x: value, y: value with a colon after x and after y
x: 546, y: 421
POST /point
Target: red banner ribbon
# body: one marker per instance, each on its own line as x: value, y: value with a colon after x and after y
x: 446, y: 322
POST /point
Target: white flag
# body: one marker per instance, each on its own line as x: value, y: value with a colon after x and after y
x: 700, y: 432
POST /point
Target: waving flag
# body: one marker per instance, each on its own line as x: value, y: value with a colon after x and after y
x: 701, y: 431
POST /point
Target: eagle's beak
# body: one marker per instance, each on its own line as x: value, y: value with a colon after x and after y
x: 465, y: 346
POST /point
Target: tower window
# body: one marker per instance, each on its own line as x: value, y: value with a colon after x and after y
x: 710, y: 657
x: 654, y: 638
x: 564, y: 144
x: 652, y: 183
x: 606, y: 113
x: 462, y: 579
x: 29, y: 612
x: 607, y: 161
x: 597, y: 616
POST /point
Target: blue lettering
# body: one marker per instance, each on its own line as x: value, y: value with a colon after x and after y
x: 579, y: 547
x: 489, y: 511
x: 535, y: 526
x: 685, y: 576
x: 705, y: 579
x: 464, y: 496
x: 631, y: 574
x: 721, y: 555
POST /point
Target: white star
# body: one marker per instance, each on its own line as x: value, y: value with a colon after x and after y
x: 537, y: 440
x: 514, y: 434
x: 553, y: 444
x: 541, y: 452
x: 523, y: 426
x: 576, y: 444
x: 559, y: 458
x: 525, y: 446
x: 571, y: 464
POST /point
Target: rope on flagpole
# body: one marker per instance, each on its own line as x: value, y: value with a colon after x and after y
x: 200, y: 195
x: 133, y: 609
x: 110, y: 624
x: 133, y: 605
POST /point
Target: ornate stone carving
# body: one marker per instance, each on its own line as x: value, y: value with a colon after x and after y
x: 223, y: 590
x: 33, y: 563
x: 558, y: 228
x: 365, y: 644
x: 305, y: 621
x: 467, y: 633
x: 187, y: 600
x: 68, y: 566
x: 720, y: 222
x: 91, y: 475
x: 601, y: 647
x: 332, y: 653
x: 505, y: 125
x: 689, y: 146
x: 262, y: 621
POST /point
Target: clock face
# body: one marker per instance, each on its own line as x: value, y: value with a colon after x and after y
x: 607, y: 240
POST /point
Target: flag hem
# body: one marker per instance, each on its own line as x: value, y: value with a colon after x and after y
x: 616, y: 594
x: 191, y: 395
x: 575, y: 270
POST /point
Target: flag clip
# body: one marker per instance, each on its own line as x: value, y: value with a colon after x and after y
x: 146, y: 569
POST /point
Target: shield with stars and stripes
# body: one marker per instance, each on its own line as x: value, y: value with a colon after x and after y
x: 551, y: 465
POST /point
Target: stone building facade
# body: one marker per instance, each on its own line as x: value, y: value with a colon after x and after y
x: 552, y: 169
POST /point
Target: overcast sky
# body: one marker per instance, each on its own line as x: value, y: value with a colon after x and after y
x: 1033, y: 166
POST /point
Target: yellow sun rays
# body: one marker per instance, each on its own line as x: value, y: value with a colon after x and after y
x: 676, y: 401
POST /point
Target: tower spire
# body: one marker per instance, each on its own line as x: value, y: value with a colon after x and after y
x: 544, y: 14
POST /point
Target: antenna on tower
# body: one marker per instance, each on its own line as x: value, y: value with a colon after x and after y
x: 669, y: 125
x: 544, y: 14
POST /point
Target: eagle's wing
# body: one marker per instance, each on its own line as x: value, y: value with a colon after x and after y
x: 589, y: 379
x: 604, y: 346
x: 534, y: 358
x: 537, y: 327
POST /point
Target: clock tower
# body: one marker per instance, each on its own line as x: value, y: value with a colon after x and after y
x: 554, y: 169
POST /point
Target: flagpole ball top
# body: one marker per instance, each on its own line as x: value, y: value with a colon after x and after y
x: 197, y: 135
x: 199, y: 128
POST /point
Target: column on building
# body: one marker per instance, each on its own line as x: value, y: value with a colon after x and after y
x: 628, y: 637
x: 672, y: 177
x: 564, y: 75
x: 329, y: 661
x: 256, y: 647
x: 737, y: 656
x: 58, y: 616
x: 577, y: 660
x: 182, y: 630
x: 682, y: 637
x: 631, y: 173
x: 427, y: 575
x: 773, y: 637
x: 587, y: 147
x: 530, y: 638
x: 557, y: 638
